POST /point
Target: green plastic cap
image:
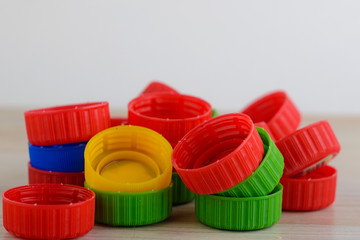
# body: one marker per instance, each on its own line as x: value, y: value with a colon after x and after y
x: 267, y: 175
x: 181, y: 194
x: 232, y: 213
x: 132, y: 209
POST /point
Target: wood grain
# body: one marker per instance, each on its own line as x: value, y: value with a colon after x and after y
x: 339, y: 221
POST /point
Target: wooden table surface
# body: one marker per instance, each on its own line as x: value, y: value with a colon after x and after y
x: 341, y: 220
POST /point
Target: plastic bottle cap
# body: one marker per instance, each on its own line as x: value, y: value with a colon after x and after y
x: 37, y: 176
x: 132, y: 209
x: 48, y: 211
x: 264, y: 179
x: 58, y: 158
x: 158, y: 87
x: 277, y: 111
x: 170, y: 115
x: 218, y: 154
x: 128, y: 159
x: 233, y: 213
x: 308, y: 149
x: 118, y: 121
x: 66, y: 124
x: 313, y: 191
x: 181, y: 194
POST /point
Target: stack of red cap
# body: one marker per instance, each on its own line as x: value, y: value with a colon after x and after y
x: 308, y: 184
x: 57, y: 137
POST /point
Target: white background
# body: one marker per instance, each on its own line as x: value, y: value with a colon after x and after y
x: 227, y: 52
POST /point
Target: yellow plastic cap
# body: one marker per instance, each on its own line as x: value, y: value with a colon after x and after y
x: 128, y: 159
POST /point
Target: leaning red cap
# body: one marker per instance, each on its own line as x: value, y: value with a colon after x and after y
x: 278, y: 111
x: 313, y: 191
x: 48, y: 211
x: 218, y: 154
x: 158, y: 87
x: 308, y: 149
x: 66, y: 124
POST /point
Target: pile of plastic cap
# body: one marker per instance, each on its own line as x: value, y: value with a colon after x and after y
x: 242, y: 168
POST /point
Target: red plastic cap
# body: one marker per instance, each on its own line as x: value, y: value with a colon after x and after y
x: 66, y: 124
x: 48, y: 211
x: 308, y: 149
x: 277, y: 111
x: 37, y: 176
x: 313, y: 191
x: 119, y: 121
x: 218, y: 154
x: 158, y: 87
x: 266, y: 127
x: 170, y: 115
